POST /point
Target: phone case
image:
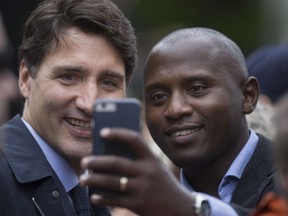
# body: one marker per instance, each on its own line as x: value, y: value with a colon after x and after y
x: 125, y: 113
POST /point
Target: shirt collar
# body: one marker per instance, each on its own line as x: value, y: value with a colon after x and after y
x: 60, y: 166
x: 237, y: 167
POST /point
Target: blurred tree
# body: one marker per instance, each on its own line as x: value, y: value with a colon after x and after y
x: 250, y: 23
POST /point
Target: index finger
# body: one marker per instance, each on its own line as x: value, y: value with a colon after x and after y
x: 129, y: 138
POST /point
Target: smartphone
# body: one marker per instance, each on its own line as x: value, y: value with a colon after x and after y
x: 122, y: 112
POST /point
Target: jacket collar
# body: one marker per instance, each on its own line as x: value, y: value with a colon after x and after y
x: 23, y: 153
x: 257, y: 176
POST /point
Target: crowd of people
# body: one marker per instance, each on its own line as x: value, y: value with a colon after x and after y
x: 199, y: 95
x: 10, y: 98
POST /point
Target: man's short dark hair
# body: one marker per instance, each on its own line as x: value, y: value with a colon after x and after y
x: 47, y: 23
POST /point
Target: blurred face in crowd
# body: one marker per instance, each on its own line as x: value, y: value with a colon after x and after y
x: 9, y: 94
x: 60, y: 97
x: 281, y: 143
x: 194, y: 103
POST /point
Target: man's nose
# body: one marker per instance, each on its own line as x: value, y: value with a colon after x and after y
x: 178, y: 106
x: 86, y: 98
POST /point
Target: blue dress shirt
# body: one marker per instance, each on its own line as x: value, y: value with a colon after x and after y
x: 229, y: 181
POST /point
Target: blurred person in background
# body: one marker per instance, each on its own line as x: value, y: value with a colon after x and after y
x: 269, y: 64
x: 261, y: 119
x: 272, y: 204
x: 10, y: 97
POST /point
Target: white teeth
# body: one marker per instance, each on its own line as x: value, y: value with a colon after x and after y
x: 183, y: 132
x: 176, y: 133
x: 79, y: 123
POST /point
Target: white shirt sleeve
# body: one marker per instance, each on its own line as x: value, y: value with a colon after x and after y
x: 218, y: 207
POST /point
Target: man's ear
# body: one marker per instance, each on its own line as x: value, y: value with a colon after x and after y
x: 250, y: 91
x: 24, y: 79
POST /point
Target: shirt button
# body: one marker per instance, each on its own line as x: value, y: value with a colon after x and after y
x: 55, y: 194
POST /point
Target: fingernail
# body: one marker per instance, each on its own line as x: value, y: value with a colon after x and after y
x: 83, y: 177
x: 105, y: 132
x: 95, y: 198
x: 84, y: 161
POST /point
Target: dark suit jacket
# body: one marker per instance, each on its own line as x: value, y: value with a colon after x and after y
x: 257, y: 178
x: 28, y: 184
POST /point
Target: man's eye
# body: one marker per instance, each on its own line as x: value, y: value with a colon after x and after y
x: 198, y: 90
x: 158, y: 98
x: 108, y: 83
x: 68, y: 77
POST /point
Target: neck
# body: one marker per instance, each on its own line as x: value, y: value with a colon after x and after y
x: 206, y: 180
x: 76, y: 167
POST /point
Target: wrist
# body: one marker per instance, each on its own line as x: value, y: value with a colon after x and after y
x: 201, y: 205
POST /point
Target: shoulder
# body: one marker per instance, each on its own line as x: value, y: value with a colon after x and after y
x: 7, y: 183
x: 6, y: 174
x: 264, y: 140
x: 262, y: 157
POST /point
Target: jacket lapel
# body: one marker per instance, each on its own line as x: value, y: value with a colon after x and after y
x: 257, y: 177
x: 30, y: 167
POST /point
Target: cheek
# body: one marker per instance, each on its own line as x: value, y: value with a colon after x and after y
x: 55, y: 99
x: 121, y: 93
x: 153, y: 121
x: 214, y: 109
x: 150, y: 115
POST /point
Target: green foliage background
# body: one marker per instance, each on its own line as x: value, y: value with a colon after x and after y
x: 250, y: 23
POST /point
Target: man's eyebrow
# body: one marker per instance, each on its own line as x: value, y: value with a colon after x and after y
x: 187, y: 80
x: 69, y: 68
x: 154, y: 86
x: 111, y: 73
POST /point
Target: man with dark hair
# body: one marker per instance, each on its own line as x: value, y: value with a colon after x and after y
x: 72, y: 52
x: 270, y: 66
x: 197, y: 94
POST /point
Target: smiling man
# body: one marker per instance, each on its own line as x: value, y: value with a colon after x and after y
x: 197, y: 94
x: 72, y: 53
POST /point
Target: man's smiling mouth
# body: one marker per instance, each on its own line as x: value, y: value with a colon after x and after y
x: 184, y: 132
x: 79, y: 123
